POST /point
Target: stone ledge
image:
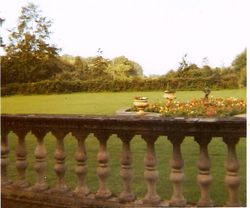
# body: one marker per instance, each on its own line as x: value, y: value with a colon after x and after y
x: 216, y: 127
x: 126, y: 112
x: 241, y: 116
x: 21, y: 198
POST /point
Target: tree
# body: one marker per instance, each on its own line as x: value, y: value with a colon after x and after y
x: 240, y: 61
x: 183, y: 64
x: 80, y: 64
x: 137, y: 70
x: 239, y: 66
x: 29, y: 57
x: 97, y: 68
x: 68, y: 59
x: 206, y: 71
x: 123, y: 68
x: 1, y: 39
x: 243, y: 77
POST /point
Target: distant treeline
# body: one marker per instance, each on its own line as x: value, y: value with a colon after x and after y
x: 32, y: 66
x: 76, y: 74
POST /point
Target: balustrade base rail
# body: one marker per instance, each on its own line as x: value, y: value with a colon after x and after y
x: 20, y: 198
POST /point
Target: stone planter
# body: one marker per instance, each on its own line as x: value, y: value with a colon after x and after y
x: 169, y: 95
x: 141, y: 103
x: 127, y: 112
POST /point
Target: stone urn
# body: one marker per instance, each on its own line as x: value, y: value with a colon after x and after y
x: 141, y: 103
x: 169, y: 95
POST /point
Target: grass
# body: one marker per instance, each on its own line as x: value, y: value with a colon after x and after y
x: 108, y: 103
x: 94, y: 103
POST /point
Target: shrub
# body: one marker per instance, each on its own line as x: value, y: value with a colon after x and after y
x: 138, y: 84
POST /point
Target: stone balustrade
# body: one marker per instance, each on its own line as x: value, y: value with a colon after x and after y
x: 39, y: 194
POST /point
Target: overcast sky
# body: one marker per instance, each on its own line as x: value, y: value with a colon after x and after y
x: 154, y: 33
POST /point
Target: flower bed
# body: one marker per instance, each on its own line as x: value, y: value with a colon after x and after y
x: 212, y: 107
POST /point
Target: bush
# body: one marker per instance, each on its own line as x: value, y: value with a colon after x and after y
x: 138, y: 84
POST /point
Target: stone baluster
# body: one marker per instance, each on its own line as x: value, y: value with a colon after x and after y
x: 232, y: 179
x: 81, y: 167
x: 204, y: 177
x: 21, y: 162
x: 40, y: 165
x: 4, y: 158
x: 151, y: 174
x: 177, y: 175
x: 126, y: 168
x: 103, y: 170
x: 60, y: 167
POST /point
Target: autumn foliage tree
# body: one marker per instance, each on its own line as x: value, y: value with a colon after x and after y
x: 29, y: 57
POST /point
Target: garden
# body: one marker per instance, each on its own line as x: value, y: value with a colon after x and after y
x: 108, y: 103
x: 39, y: 77
x: 202, y: 107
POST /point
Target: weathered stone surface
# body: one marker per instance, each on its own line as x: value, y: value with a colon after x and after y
x: 136, y: 125
x: 127, y: 112
x: 18, y: 198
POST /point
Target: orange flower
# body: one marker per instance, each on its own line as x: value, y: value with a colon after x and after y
x: 211, y: 111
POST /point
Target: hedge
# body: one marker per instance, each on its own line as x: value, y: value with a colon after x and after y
x: 147, y: 84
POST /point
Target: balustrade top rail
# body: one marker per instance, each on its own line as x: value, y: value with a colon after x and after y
x: 134, y: 124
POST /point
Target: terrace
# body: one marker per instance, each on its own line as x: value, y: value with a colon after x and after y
x: 20, y: 193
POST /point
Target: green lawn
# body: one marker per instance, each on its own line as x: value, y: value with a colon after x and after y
x: 108, y: 103
x: 94, y: 103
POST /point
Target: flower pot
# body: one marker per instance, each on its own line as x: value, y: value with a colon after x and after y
x: 169, y: 95
x: 141, y: 103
